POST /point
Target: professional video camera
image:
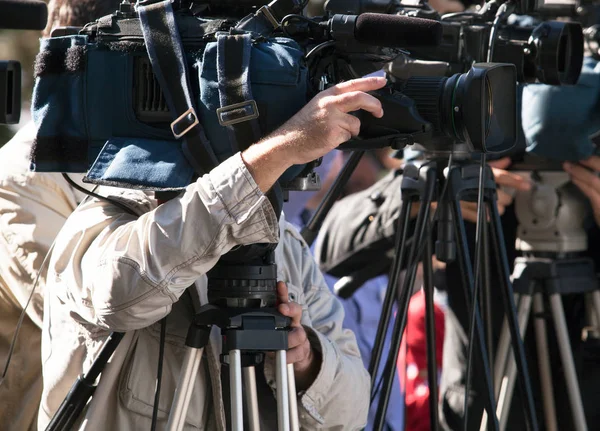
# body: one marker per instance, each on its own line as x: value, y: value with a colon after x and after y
x: 550, y: 53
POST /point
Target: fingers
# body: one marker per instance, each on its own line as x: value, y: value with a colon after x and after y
x: 298, y: 346
x: 504, y: 199
x: 593, y: 163
x: 583, y: 175
x: 356, y: 100
x: 592, y: 194
x: 469, y: 211
x: 282, y: 293
x: 509, y: 179
x: 351, y: 124
x: 361, y: 84
x: 292, y: 310
x: 502, y: 163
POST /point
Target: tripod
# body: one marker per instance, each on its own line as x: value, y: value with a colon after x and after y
x: 552, y: 237
x: 427, y: 184
x: 249, y: 330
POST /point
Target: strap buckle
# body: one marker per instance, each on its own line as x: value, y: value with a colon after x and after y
x: 188, y: 120
x: 266, y: 11
x: 237, y: 113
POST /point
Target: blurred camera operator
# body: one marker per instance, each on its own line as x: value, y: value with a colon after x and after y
x: 33, y: 208
x: 111, y: 271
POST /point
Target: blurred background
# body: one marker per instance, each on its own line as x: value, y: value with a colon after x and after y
x: 21, y: 46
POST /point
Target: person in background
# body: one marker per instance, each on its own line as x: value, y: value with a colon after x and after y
x: 33, y: 208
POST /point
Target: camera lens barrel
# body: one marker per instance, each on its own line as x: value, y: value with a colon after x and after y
x: 551, y: 53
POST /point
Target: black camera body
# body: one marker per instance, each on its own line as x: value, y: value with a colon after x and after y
x: 549, y: 53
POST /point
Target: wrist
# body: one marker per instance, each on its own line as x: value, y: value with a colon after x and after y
x: 266, y: 161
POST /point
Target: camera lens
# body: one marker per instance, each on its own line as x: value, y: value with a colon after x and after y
x: 556, y: 52
x: 551, y: 53
x: 477, y: 107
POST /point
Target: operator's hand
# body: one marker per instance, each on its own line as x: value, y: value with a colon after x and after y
x: 503, y: 178
x: 319, y: 127
x: 586, y: 178
x: 307, y: 362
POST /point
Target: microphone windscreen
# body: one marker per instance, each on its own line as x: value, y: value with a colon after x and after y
x: 396, y: 31
x: 23, y: 14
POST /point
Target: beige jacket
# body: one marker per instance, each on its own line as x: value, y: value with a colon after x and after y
x: 111, y: 271
x: 33, y: 208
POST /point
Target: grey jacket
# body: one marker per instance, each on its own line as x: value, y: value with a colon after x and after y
x: 112, y: 271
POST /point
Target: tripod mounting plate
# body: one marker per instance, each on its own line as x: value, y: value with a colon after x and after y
x: 562, y: 276
x: 245, y: 329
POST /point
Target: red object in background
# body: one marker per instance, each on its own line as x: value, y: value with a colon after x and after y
x: 414, y: 355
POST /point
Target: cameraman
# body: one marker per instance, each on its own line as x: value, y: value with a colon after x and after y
x: 111, y: 271
x: 33, y: 208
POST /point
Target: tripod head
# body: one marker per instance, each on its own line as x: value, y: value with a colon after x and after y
x: 552, y: 213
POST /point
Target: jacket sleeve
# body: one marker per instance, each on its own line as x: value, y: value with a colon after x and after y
x: 123, y: 272
x: 338, y: 399
x: 33, y: 209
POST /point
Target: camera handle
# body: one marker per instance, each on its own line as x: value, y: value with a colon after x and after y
x: 247, y: 332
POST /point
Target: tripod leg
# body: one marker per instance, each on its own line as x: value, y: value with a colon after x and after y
x: 251, y: 400
x: 283, y: 411
x: 511, y: 314
x: 564, y: 346
x: 185, y: 386
x: 391, y: 292
x: 468, y: 284
x: 541, y: 337
x: 431, y: 332
x: 235, y: 380
x: 294, y: 421
x: 503, y: 351
x: 511, y: 373
x: 400, y: 323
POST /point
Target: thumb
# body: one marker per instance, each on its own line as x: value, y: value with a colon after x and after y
x: 502, y: 163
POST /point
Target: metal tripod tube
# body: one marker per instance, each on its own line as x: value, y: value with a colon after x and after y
x: 251, y: 397
x: 564, y: 347
x: 391, y: 292
x: 506, y: 364
x: 431, y: 334
x: 294, y: 419
x: 466, y: 271
x: 185, y: 386
x: 510, y: 377
x: 511, y: 314
x: 283, y: 410
x: 503, y: 350
x: 543, y: 353
x: 235, y: 380
x: 400, y: 323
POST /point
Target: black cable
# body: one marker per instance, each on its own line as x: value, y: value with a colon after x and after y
x: 481, y: 212
x: 13, y: 342
x: 318, y: 48
x: 286, y: 19
x: 97, y: 196
x: 161, y: 355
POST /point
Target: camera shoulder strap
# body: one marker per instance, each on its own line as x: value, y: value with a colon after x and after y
x: 168, y: 59
x: 238, y: 111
